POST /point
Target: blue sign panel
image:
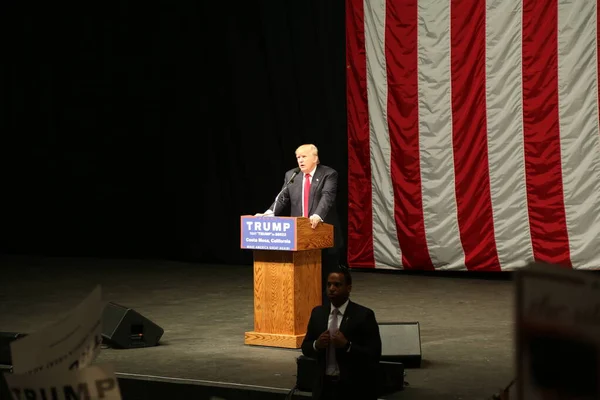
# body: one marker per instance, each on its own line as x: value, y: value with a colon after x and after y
x: 268, y: 233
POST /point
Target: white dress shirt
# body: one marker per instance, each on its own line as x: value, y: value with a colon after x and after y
x: 332, y: 368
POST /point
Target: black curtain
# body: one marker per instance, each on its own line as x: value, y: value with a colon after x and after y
x: 145, y: 129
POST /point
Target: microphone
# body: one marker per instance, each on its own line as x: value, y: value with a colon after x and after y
x: 296, y: 172
x: 291, y: 180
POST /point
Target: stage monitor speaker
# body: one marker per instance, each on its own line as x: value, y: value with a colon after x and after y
x: 401, y: 341
x: 125, y: 328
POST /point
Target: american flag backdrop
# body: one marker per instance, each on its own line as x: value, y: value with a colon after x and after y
x: 473, y: 134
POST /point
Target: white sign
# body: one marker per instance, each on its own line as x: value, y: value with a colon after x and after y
x: 91, y: 383
x: 71, y: 343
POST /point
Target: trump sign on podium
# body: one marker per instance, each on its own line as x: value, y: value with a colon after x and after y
x: 268, y: 233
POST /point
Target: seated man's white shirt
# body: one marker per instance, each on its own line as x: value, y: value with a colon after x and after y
x: 332, y: 368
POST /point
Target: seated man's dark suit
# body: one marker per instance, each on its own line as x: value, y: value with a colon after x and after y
x: 358, y: 365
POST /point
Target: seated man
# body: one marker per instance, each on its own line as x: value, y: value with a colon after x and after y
x: 344, y: 339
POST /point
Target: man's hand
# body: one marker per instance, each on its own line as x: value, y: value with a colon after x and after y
x: 339, y: 340
x: 314, y: 221
x: 323, y: 340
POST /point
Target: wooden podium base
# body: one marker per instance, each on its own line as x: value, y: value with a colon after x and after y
x: 287, y: 286
x: 273, y: 340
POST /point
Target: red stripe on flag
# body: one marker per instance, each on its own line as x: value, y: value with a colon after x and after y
x: 360, y: 207
x: 401, y: 53
x: 469, y: 135
x: 543, y: 167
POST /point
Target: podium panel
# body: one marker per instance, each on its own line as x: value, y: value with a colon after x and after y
x: 287, y: 286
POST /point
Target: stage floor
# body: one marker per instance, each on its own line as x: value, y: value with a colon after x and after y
x: 466, y: 321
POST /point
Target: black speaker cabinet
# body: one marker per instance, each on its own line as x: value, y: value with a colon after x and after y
x: 390, y: 375
x: 401, y: 341
x: 306, y: 373
x: 125, y: 328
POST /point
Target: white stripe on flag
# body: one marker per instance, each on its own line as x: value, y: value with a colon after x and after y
x: 578, y: 110
x: 505, y: 133
x: 386, y: 249
x: 435, y: 136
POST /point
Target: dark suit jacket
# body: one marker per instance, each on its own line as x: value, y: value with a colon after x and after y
x: 359, y: 365
x: 323, y: 192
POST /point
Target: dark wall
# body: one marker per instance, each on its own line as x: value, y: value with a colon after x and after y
x: 133, y: 129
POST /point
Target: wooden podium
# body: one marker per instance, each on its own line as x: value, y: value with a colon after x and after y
x: 287, y: 276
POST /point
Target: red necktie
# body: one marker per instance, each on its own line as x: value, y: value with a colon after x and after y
x: 306, y: 193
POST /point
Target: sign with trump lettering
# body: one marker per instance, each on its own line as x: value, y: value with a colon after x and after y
x: 268, y: 233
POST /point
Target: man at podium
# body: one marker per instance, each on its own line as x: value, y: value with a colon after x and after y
x: 310, y: 191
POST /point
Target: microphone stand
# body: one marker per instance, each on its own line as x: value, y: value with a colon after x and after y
x: 285, y: 187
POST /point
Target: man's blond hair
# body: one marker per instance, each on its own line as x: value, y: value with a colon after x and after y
x: 310, y: 147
